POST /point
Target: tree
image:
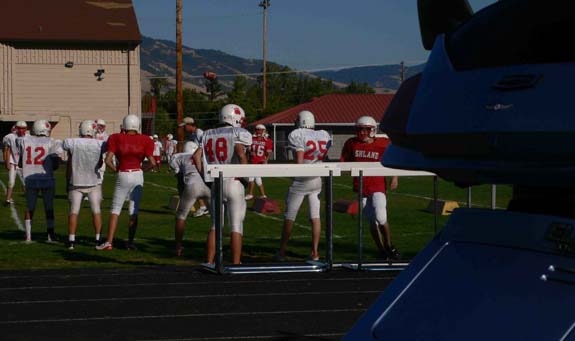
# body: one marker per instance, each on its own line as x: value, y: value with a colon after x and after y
x: 157, y: 85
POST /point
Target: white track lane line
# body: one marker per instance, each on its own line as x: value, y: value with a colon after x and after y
x: 130, y: 285
x: 13, y: 211
x: 252, y: 337
x: 171, y: 316
x: 191, y: 297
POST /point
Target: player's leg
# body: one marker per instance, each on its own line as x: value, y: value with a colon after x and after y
x: 11, y: 184
x: 121, y: 191
x: 234, y: 196
x: 251, y: 187
x: 95, y: 199
x: 260, y: 185
x: 135, y: 198
x: 75, y: 200
x: 380, y: 206
x: 369, y: 210
x: 187, y: 201
x: 314, y: 217
x: 48, y: 199
x: 293, y: 203
x: 31, y: 199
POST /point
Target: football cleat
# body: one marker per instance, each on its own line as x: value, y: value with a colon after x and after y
x: 70, y: 245
x: 201, y: 211
x: 104, y: 247
x: 249, y: 197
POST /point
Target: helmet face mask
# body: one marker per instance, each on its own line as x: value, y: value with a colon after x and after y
x: 20, y: 128
x: 131, y: 122
x: 260, y: 130
x: 233, y: 115
x: 42, y: 128
x: 305, y: 119
x: 88, y: 128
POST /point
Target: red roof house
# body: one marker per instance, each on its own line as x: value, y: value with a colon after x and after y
x: 335, y: 113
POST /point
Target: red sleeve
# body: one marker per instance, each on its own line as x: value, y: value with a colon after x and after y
x: 269, y: 145
x: 149, y: 148
x: 346, y: 152
x: 111, y: 145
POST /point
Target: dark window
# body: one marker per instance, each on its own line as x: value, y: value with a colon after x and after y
x: 514, y: 32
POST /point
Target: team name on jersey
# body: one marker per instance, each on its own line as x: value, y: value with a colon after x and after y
x: 367, y: 154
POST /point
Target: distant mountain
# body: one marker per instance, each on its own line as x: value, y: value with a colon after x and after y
x: 158, y: 58
x: 385, y: 76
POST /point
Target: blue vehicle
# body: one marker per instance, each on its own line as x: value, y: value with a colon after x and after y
x: 492, y: 106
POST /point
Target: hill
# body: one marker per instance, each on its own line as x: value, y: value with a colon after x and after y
x: 158, y: 58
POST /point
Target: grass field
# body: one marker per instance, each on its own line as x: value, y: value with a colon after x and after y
x: 412, y: 227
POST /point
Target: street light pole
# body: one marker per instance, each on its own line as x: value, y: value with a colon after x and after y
x: 265, y: 4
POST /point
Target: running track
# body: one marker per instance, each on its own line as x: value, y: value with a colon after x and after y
x: 168, y: 303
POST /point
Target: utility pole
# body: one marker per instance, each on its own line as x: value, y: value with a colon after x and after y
x: 402, y: 71
x: 265, y: 4
x: 179, y: 90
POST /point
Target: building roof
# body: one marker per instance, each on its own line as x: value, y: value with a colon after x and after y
x: 68, y: 21
x: 335, y: 109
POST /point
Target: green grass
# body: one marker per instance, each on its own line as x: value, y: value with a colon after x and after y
x: 412, y: 227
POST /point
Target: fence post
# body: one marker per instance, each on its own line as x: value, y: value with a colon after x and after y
x: 493, y: 196
x: 469, y: 197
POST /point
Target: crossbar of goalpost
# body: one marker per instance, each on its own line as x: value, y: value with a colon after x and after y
x: 327, y: 170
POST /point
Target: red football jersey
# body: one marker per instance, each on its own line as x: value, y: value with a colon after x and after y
x: 261, y: 146
x: 130, y: 150
x: 355, y: 150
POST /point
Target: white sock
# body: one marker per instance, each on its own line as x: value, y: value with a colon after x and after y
x: 28, y: 225
x: 97, y: 236
x: 72, y: 238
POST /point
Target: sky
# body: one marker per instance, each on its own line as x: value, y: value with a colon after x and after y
x: 302, y: 34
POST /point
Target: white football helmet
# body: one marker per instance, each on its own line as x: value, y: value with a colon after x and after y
x: 170, y: 137
x: 42, y: 128
x: 21, y: 124
x: 305, y: 119
x: 190, y: 147
x: 233, y: 115
x: 155, y: 136
x: 366, y: 122
x: 88, y: 128
x: 100, y: 122
x: 131, y: 122
x: 260, y: 130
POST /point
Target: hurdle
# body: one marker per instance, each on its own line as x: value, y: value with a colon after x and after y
x: 361, y: 169
x: 221, y: 172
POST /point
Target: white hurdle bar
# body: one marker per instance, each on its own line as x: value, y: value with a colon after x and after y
x: 327, y: 170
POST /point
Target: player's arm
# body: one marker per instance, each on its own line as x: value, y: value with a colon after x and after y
x: 299, y: 156
x: 198, y: 161
x: 240, y: 151
x: 394, y: 183
x: 151, y: 162
x: 110, y: 162
x: 7, y: 157
x: 69, y: 169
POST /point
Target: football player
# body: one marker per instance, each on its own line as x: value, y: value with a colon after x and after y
x: 224, y: 145
x: 101, y: 135
x: 196, y: 135
x: 158, y: 148
x: 260, y: 151
x: 171, y: 147
x: 309, y: 146
x: 11, y: 157
x: 84, y: 161
x: 39, y: 157
x: 195, y: 188
x: 130, y: 149
x: 366, y: 147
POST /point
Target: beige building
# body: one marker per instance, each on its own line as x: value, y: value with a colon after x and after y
x: 67, y: 61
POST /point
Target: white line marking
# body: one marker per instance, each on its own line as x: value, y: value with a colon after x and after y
x: 13, y: 211
x: 130, y: 285
x: 218, y: 314
x: 251, y: 337
x: 189, y: 297
x: 295, y: 224
x: 568, y: 332
x: 161, y: 186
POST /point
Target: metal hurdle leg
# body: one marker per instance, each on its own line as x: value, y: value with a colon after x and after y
x: 329, y: 221
x: 469, y: 197
x: 493, y: 196
x: 219, y: 221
